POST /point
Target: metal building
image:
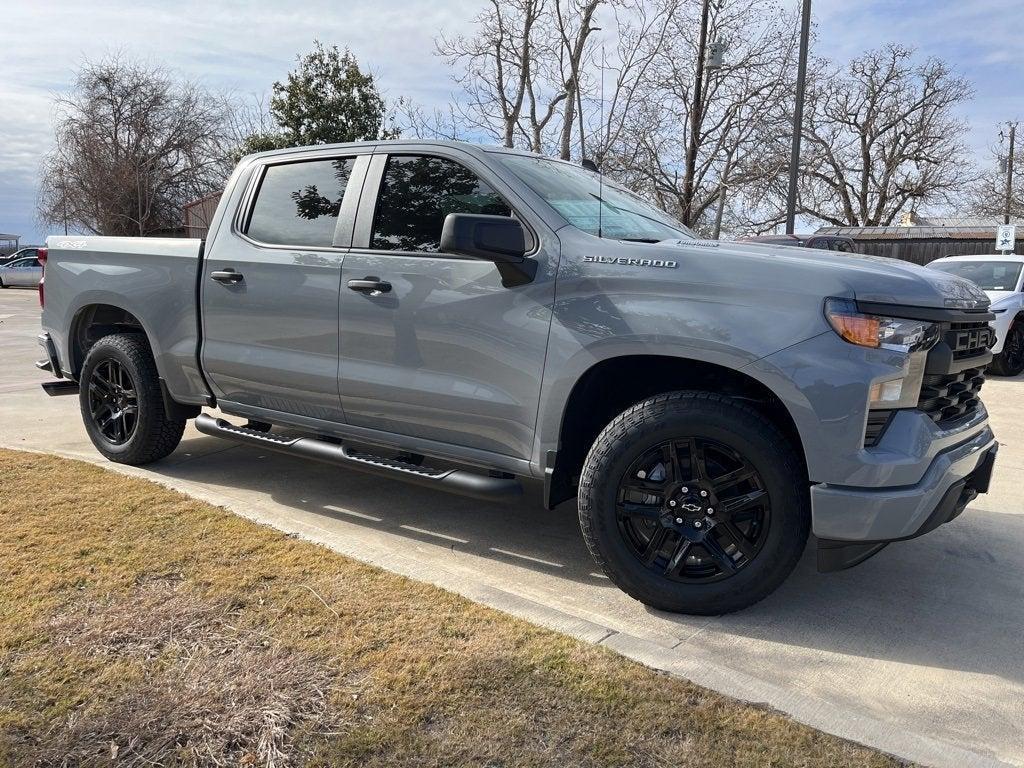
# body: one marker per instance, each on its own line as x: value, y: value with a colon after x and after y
x: 923, y: 240
x: 198, y: 215
x: 8, y: 243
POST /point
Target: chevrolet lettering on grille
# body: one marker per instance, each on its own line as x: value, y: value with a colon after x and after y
x: 972, y: 339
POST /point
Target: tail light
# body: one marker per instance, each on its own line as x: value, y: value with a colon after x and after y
x: 41, y: 255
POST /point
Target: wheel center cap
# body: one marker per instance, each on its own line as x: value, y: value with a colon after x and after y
x: 689, y: 511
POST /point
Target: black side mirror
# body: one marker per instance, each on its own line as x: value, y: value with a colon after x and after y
x: 500, y: 239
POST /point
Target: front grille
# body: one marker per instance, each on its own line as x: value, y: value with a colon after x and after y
x: 947, y: 397
x: 969, y: 339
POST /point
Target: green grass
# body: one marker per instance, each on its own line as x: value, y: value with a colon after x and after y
x: 139, y: 626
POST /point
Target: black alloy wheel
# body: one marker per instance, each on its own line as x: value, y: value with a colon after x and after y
x: 695, y: 502
x: 693, y: 510
x: 113, y: 402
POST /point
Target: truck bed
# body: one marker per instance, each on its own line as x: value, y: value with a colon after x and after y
x: 155, y: 279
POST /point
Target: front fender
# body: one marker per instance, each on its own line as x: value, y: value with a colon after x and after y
x: 593, y: 323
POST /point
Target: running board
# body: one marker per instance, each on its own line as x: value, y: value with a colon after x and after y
x: 62, y: 387
x: 455, y: 480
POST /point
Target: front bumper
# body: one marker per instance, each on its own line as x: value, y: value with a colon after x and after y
x: 852, y: 524
x: 1001, y: 325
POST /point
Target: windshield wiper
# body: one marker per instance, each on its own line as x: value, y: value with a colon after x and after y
x: 639, y: 239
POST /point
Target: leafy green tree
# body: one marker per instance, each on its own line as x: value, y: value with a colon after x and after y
x: 327, y: 99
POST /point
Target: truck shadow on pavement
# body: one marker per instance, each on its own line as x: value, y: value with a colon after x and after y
x: 952, y: 599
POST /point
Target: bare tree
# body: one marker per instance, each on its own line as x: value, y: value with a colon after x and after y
x: 988, y: 195
x: 133, y: 145
x: 881, y: 137
x: 740, y: 121
x: 522, y: 70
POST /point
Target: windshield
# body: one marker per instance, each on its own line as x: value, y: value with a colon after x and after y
x: 603, y: 209
x: 988, y: 275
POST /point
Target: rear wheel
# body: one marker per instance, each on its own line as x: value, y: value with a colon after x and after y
x: 1010, y: 362
x: 121, y: 402
x: 694, y: 502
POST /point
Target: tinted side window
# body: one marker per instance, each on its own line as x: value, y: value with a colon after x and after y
x: 417, y: 192
x: 298, y: 203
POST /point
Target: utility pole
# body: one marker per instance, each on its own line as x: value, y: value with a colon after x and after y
x: 695, y: 117
x: 798, y: 116
x: 1009, y: 176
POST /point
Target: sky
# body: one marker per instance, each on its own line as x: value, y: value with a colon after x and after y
x: 243, y: 47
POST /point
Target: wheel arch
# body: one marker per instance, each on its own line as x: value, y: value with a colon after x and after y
x: 92, y: 322
x: 610, y: 386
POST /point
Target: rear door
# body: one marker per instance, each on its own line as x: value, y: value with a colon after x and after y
x: 446, y: 353
x: 270, y: 288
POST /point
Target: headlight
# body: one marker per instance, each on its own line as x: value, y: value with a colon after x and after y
x: 895, y: 333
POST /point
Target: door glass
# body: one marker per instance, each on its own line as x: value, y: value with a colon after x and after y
x: 416, y: 194
x: 298, y: 203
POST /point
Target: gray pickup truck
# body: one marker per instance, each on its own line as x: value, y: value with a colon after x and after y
x: 470, y: 318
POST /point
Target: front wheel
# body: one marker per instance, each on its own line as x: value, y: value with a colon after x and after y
x: 695, y: 503
x: 121, y: 402
x: 1010, y: 362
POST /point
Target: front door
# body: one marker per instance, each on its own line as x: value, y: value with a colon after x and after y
x: 446, y: 352
x: 270, y: 290
x: 23, y: 271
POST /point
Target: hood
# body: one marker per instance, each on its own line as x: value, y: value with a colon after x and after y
x: 866, y: 278
x: 996, y: 296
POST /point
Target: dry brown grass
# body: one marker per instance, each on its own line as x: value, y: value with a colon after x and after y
x: 141, y: 627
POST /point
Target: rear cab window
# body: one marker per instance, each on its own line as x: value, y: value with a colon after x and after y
x: 297, y: 203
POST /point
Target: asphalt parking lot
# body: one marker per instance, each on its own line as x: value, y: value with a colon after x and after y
x: 920, y: 651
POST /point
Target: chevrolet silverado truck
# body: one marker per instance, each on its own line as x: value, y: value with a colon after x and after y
x: 470, y: 318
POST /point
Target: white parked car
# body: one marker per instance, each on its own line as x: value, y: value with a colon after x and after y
x: 1000, y: 277
x: 24, y: 270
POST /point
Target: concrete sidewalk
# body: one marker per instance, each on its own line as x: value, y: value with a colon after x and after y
x: 919, y: 652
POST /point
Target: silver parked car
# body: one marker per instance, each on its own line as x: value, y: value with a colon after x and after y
x: 22, y: 271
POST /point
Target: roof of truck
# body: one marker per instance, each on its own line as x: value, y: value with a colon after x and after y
x: 463, y: 145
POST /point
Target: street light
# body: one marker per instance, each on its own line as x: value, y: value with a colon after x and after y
x: 798, y: 115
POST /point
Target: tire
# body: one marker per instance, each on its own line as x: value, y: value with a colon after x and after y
x: 695, y: 576
x: 1010, y: 362
x: 143, y: 433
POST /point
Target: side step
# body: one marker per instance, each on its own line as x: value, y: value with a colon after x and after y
x: 61, y: 387
x: 455, y: 480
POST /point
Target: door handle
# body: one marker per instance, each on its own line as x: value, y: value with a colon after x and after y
x: 228, y: 276
x: 371, y: 286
